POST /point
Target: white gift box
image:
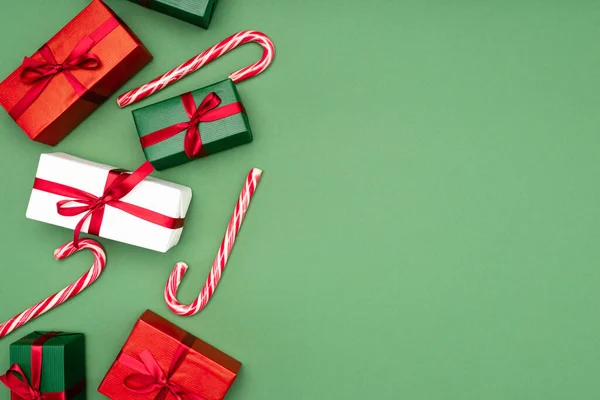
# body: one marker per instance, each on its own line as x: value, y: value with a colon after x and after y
x: 163, y: 197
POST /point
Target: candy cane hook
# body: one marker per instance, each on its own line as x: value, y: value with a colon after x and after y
x: 70, y: 291
x: 204, y: 58
x: 222, y: 256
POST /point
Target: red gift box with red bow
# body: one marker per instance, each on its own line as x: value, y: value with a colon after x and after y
x: 164, y: 362
x: 63, y: 82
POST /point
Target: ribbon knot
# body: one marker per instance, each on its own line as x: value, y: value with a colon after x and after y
x: 36, y: 395
x: 175, y: 390
x: 104, y: 200
x: 204, y: 108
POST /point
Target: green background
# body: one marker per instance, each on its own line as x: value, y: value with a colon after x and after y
x: 427, y: 225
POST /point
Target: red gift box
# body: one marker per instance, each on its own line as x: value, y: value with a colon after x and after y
x: 56, y: 88
x: 162, y: 361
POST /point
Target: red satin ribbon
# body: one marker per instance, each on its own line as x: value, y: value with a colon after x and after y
x: 40, y: 73
x: 209, y: 111
x: 16, y: 381
x: 118, y: 184
x: 150, y: 376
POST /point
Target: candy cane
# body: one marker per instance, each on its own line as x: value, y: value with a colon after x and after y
x: 204, y: 58
x: 222, y: 256
x: 72, y: 290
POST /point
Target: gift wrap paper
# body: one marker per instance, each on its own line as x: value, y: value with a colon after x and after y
x: 205, y: 370
x: 197, y: 12
x: 63, y: 361
x: 216, y: 136
x: 59, y: 109
x: 154, y: 194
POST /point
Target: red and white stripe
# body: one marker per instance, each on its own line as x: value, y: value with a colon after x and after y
x: 222, y: 256
x: 204, y: 58
x: 70, y: 291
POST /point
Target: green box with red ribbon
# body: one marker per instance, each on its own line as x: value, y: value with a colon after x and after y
x: 193, y: 125
x: 197, y: 12
x: 50, y: 365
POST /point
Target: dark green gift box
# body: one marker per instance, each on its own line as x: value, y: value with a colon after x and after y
x: 63, y: 362
x: 216, y: 136
x: 197, y: 12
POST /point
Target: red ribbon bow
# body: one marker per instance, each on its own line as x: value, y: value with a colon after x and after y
x: 150, y: 376
x: 35, y: 71
x: 208, y: 111
x: 118, y: 185
x: 16, y: 381
x: 40, y: 73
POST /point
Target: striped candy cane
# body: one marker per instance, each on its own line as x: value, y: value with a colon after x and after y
x: 70, y: 291
x: 204, y: 58
x: 220, y: 261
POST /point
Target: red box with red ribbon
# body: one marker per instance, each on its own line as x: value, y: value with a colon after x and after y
x: 63, y: 82
x: 162, y: 361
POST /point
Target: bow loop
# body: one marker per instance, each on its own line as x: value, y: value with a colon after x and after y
x: 209, y: 103
x: 125, y: 182
x: 142, y: 383
x: 85, y: 61
x: 90, y: 204
x: 153, y: 368
x: 193, y: 142
x: 36, y: 71
x: 16, y: 381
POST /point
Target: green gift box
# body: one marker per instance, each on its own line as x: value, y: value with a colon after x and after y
x: 60, y: 362
x: 197, y: 12
x: 193, y: 125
